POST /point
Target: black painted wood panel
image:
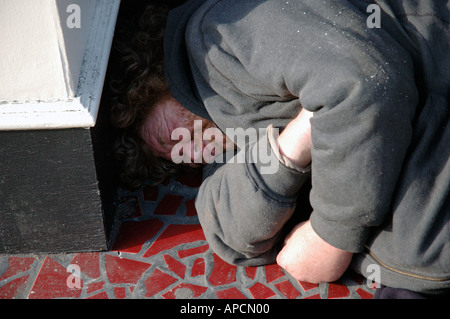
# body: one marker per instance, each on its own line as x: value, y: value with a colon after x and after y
x: 49, y: 196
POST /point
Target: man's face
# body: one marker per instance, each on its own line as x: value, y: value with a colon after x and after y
x: 164, y: 121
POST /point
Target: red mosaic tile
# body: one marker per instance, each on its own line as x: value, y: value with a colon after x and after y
x: 192, y: 251
x: 123, y: 270
x: 175, y: 266
x: 12, y: 288
x: 166, y: 181
x: 168, y: 205
x: 120, y: 292
x: 175, y: 235
x: 150, y: 192
x: 89, y: 264
x: 51, y: 282
x: 316, y: 296
x: 133, y: 234
x: 94, y: 286
x: 190, y: 208
x: 222, y: 273
x: 191, y: 180
x: 124, y: 273
x: 100, y: 295
x: 336, y: 290
x: 157, y: 282
x: 273, y: 272
x: 307, y: 285
x: 286, y: 288
x: 364, y: 294
x: 185, y: 291
x: 230, y: 293
x: 17, y: 265
x: 198, y: 268
x: 251, y: 272
x: 260, y: 291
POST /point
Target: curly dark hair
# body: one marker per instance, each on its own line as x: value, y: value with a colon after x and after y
x: 140, y: 85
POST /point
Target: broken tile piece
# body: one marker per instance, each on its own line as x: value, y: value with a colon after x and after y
x: 222, y: 273
x: 12, y: 288
x: 198, y: 269
x: 175, y: 235
x: 230, y: 293
x: 260, y: 291
x: 185, y: 291
x: 157, y: 282
x: 175, y: 266
x: 123, y: 270
x: 51, y: 282
x: 307, y: 285
x: 17, y: 265
x: 191, y: 180
x: 364, y: 294
x: 168, y: 205
x: 273, y: 272
x: 120, y: 292
x: 94, y: 286
x: 315, y: 296
x: 337, y: 290
x: 251, y: 272
x: 133, y: 234
x: 287, y: 289
x: 192, y: 251
x: 190, y: 208
x: 89, y: 264
x: 100, y: 295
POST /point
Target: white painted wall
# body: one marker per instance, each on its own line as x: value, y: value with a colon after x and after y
x: 73, y: 40
x: 51, y: 75
x: 30, y: 61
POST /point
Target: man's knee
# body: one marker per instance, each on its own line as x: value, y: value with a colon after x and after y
x: 245, y: 252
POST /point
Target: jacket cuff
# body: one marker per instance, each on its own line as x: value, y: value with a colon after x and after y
x: 271, y: 171
x: 272, y: 135
x: 351, y: 239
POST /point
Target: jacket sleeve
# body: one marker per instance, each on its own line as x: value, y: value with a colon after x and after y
x: 364, y: 101
x: 358, y: 81
x: 359, y: 145
x: 243, y: 210
x: 360, y: 84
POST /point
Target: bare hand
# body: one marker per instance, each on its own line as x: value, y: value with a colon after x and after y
x: 295, y: 140
x: 307, y: 257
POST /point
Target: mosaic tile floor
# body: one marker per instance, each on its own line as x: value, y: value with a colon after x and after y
x: 159, y: 252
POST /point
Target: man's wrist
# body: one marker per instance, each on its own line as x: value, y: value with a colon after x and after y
x: 295, y: 143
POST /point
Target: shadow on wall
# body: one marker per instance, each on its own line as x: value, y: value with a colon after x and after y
x: 104, y: 135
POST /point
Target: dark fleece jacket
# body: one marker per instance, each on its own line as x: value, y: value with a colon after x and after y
x: 381, y: 141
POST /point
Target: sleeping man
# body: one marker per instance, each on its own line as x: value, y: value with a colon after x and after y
x: 276, y: 100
